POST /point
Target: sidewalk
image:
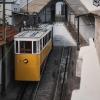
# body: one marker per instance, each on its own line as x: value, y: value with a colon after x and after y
x: 90, y: 75
x: 62, y: 36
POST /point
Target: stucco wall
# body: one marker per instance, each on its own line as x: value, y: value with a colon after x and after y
x: 97, y: 35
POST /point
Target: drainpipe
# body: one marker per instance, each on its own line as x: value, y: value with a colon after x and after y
x: 78, y: 38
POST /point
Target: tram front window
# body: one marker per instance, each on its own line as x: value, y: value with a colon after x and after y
x: 16, y: 46
x: 34, y: 46
x: 25, y: 46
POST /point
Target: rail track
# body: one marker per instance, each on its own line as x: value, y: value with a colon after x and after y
x: 59, y: 92
x: 45, y: 89
x: 26, y: 90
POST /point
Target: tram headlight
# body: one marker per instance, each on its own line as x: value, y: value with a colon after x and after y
x: 25, y: 61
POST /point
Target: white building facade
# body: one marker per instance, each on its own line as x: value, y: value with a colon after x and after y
x: 9, y: 9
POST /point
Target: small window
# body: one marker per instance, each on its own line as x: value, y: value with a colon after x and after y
x: 34, y: 46
x: 43, y: 41
x: 16, y: 46
x: 41, y: 44
x: 49, y: 35
x: 25, y: 47
x: 38, y: 46
x: 46, y: 38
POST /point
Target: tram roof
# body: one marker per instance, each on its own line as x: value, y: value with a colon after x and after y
x: 34, y: 34
x: 36, y: 6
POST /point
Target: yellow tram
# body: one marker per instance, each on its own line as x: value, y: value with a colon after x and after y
x: 31, y: 49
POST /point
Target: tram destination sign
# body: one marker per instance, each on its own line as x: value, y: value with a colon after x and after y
x: 96, y: 3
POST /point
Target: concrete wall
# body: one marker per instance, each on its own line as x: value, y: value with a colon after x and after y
x: 97, y: 35
x: 9, y: 63
x: 86, y: 28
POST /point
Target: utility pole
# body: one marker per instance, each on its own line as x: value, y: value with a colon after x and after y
x: 4, y: 25
x: 27, y: 6
x: 4, y: 59
x: 3, y: 88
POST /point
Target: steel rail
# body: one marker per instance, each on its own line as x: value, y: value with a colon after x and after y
x: 68, y: 52
x: 65, y: 73
x: 34, y: 95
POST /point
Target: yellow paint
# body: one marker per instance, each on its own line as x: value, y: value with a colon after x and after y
x: 30, y: 71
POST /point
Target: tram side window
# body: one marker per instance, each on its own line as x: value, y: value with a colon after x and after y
x: 40, y: 44
x: 34, y: 46
x: 16, y: 46
x: 46, y: 38
x: 43, y: 41
x: 25, y: 47
x: 49, y: 35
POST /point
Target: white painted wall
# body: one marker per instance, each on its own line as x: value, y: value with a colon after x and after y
x: 89, y: 5
x: 97, y: 35
x: 9, y: 9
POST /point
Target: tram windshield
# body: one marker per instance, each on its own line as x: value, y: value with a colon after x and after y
x: 25, y: 46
